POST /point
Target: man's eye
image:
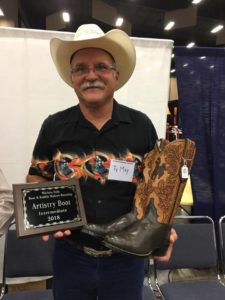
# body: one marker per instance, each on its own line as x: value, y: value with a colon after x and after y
x: 80, y: 69
x: 101, y: 67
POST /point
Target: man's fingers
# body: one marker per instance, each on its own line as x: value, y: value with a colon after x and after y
x: 172, y: 239
x: 58, y: 234
x: 45, y: 237
x: 67, y: 232
x: 173, y: 236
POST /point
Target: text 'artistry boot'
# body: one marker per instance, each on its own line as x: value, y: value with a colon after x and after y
x: 166, y: 170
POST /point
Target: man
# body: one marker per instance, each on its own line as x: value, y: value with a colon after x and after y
x: 6, y: 204
x: 81, y: 142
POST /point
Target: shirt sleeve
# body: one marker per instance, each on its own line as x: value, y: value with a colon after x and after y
x: 6, y: 204
x: 42, y: 150
x: 42, y: 164
x: 151, y: 134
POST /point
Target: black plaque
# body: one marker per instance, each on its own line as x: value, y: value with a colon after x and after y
x: 41, y: 208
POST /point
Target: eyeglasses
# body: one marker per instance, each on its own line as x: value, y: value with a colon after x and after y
x: 99, y: 68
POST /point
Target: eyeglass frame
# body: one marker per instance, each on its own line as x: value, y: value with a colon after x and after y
x: 106, y: 69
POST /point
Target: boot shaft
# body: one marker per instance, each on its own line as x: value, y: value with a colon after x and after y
x: 165, y: 173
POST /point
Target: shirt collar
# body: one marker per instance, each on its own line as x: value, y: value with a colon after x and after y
x: 119, y: 114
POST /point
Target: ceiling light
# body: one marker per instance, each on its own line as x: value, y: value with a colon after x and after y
x: 1, y: 12
x: 217, y: 28
x: 203, y: 57
x: 190, y: 45
x: 196, y: 1
x: 119, y: 21
x: 66, y: 16
x: 173, y: 71
x: 169, y: 25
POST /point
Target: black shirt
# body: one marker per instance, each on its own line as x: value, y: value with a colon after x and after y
x: 83, y: 151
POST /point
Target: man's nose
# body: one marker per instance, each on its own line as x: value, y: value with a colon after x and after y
x: 91, y: 73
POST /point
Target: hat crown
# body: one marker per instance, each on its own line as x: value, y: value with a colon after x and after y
x: 88, y: 31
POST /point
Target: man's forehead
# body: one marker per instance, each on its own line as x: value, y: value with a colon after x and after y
x: 91, y: 51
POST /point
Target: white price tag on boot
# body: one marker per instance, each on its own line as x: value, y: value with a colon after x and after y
x: 184, y: 172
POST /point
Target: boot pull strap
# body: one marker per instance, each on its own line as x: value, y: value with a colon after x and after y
x: 160, y: 144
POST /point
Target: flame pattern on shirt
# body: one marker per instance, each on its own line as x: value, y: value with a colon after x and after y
x: 94, y: 165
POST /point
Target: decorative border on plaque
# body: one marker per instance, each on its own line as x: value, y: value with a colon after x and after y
x: 46, y: 207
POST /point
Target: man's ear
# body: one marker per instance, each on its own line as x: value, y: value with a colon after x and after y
x: 71, y: 78
x: 117, y: 75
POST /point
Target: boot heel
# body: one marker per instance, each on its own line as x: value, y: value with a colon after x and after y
x: 161, y: 251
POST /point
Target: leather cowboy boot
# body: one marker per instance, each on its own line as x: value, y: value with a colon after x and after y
x: 116, y: 225
x: 133, y: 239
x: 166, y: 170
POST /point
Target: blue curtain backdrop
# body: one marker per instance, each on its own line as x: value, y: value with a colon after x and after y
x: 201, y: 89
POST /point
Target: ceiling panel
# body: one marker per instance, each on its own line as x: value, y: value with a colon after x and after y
x: 145, y: 16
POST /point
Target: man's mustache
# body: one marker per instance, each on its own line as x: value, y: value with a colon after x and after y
x: 92, y: 84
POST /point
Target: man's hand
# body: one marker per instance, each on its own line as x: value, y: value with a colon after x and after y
x: 36, y: 179
x: 58, y: 234
x: 173, y: 238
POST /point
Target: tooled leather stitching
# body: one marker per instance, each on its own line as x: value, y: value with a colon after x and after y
x: 162, y: 179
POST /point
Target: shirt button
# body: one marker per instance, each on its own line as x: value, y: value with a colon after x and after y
x: 99, y: 202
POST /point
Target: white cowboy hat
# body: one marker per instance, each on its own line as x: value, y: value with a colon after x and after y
x: 115, y: 41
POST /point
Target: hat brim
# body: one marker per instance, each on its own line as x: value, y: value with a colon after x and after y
x: 116, y: 42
